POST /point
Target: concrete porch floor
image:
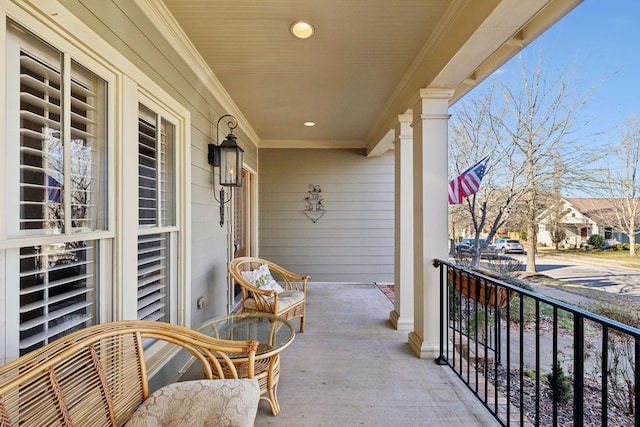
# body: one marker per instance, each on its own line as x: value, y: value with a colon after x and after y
x: 352, y: 368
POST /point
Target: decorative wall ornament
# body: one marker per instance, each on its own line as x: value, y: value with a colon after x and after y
x: 314, y: 210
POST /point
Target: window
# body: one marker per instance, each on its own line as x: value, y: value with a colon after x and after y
x: 608, y: 233
x: 156, y: 211
x: 62, y: 173
x: 65, y: 263
x: 56, y: 191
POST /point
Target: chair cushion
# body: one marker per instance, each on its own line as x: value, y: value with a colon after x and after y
x: 227, y: 402
x: 261, y: 278
x: 286, y: 299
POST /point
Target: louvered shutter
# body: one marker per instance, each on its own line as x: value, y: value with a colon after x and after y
x: 152, y: 277
x: 57, y: 291
x: 156, y: 208
x: 87, y: 176
x: 41, y: 151
x: 147, y: 168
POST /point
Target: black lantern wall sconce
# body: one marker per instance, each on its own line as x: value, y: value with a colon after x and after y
x: 227, y: 158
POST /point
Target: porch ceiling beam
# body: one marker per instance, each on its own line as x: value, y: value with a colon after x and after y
x: 457, y: 59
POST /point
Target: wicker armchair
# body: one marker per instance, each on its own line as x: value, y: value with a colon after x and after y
x: 289, y: 304
x: 98, y: 376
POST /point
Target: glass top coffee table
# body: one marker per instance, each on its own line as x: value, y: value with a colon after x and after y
x: 273, y: 335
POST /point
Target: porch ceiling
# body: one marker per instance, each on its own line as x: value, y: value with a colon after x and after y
x: 363, y: 66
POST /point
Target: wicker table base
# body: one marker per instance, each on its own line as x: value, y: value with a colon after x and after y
x: 273, y: 333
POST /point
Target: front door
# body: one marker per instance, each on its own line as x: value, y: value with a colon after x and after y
x: 242, y: 216
x: 243, y: 225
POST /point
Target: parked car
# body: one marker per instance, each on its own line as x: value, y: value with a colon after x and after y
x: 463, y: 250
x: 470, y: 241
x: 508, y: 246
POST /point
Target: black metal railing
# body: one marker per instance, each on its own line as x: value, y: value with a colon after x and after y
x: 532, y: 360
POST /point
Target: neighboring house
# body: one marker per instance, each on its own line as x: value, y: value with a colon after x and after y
x: 109, y: 207
x: 580, y: 218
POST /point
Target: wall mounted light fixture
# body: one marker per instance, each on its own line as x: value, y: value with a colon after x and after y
x: 227, y: 158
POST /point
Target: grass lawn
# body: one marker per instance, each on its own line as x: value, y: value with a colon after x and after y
x: 620, y: 308
x: 619, y: 257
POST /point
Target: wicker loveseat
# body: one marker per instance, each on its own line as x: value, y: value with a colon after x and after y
x: 259, y: 296
x: 98, y: 377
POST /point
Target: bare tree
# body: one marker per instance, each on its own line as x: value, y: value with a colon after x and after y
x: 623, y: 183
x: 532, y: 135
x: 474, y: 136
x: 556, y: 209
x: 541, y: 127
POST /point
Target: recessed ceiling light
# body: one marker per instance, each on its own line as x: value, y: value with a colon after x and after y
x: 309, y: 124
x: 302, y: 30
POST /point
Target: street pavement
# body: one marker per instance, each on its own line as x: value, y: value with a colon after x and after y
x: 609, y: 278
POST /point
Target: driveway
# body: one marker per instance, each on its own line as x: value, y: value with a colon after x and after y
x: 608, y: 278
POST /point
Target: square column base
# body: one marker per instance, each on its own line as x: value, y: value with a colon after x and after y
x: 421, y: 349
x: 400, y: 323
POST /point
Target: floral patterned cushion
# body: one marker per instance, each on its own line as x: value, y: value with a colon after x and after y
x: 228, y: 402
x: 261, y: 278
x: 285, y: 300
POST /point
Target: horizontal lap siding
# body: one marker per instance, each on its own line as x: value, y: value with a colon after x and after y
x: 354, y: 240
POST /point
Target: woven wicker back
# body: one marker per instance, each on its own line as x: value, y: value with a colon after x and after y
x: 245, y: 264
x: 92, y: 383
x: 97, y: 376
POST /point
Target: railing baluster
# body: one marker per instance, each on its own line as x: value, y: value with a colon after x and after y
x: 578, y: 367
x: 477, y: 338
x: 508, y: 371
x: 605, y: 380
x: 537, y: 362
x: 555, y: 361
x: 636, y: 362
x: 521, y: 360
x: 485, y: 370
x: 468, y: 340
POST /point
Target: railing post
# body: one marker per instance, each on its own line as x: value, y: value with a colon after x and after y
x: 442, y: 359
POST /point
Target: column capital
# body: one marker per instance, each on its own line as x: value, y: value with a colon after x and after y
x: 405, y: 117
x: 403, y: 126
x: 432, y: 104
x: 436, y: 93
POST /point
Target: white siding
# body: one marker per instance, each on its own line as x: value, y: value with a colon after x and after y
x: 353, y: 241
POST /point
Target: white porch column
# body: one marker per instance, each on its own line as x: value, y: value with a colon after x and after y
x: 401, y: 317
x: 430, y: 141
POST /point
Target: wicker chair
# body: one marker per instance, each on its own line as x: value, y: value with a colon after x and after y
x: 288, y: 304
x: 98, y: 376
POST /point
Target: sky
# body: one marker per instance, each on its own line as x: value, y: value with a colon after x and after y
x: 596, y: 45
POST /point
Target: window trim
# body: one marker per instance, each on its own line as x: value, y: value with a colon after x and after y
x: 171, y: 110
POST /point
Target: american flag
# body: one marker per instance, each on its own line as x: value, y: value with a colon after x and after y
x: 54, y: 190
x: 467, y: 182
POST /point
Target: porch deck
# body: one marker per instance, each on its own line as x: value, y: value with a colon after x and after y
x: 351, y: 368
